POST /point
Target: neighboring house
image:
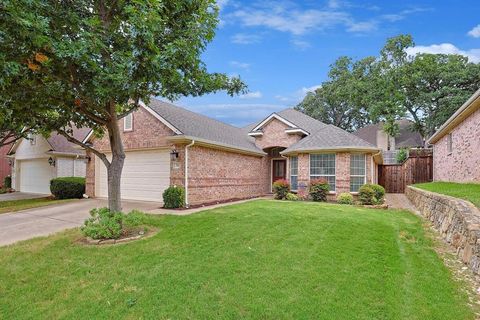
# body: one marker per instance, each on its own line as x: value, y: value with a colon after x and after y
x: 456, y: 145
x: 406, y: 138
x: 5, y: 169
x: 37, y: 160
x: 168, y: 145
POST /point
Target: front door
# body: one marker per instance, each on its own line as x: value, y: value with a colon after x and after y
x: 279, y: 168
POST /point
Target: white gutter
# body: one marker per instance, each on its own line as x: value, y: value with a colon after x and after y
x: 186, y: 172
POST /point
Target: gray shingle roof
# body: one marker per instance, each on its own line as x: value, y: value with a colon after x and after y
x: 405, y: 138
x: 199, y: 126
x: 191, y: 124
x: 60, y: 144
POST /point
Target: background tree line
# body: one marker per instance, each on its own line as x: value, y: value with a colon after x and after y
x: 426, y: 88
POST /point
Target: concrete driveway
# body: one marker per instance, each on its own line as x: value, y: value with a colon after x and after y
x: 21, y: 196
x: 43, y: 221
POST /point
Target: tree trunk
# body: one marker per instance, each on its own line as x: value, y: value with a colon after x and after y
x: 114, y: 170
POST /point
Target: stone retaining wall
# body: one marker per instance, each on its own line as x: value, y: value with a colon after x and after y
x: 457, y: 220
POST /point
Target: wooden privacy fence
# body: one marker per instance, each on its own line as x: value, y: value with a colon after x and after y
x: 417, y: 168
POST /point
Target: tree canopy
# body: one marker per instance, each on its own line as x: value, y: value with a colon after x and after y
x: 427, y: 88
x: 88, y: 63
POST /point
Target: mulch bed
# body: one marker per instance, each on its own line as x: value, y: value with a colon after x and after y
x: 131, y: 235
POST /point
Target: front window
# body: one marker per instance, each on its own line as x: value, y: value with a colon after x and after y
x: 294, y: 173
x: 449, y: 143
x: 128, y: 122
x: 357, y: 171
x: 322, y: 166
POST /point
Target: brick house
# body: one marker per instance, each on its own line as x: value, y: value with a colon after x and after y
x: 456, y: 145
x: 168, y: 145
x: 5, y: 169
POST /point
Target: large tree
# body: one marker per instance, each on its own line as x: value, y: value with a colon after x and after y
x: 88, y: 63
x: 428, y: 88
x: 340, y: 100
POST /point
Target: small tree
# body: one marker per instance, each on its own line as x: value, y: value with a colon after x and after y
x: 88, y: 63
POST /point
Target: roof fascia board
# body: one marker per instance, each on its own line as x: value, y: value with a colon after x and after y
x: 319, y: 150
x: 296, y: 130
x: 274, y: 116
x: 214, y: 144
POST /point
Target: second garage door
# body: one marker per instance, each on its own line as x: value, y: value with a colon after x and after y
x: 35, y: 176
x: 146, y: 174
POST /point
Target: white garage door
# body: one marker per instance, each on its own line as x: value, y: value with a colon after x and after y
x: 146, y: 174
x: 35, y: 176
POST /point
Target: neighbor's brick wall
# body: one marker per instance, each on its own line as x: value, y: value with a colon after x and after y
x: 274, y: 136
x: 217, y: 175
x: 463, y: 164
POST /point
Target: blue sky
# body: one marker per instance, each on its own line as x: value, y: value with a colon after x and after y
x: 282, y: 49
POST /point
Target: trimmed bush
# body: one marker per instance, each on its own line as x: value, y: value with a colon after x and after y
x: 68, y: 187
x: 379, y: 192
x: 318, y: 190
x: 280, y: 189
x: 345, y: 198
x: 104, y: 224
x: 402, y: 155
x: 366, y: 195
x: 291, y: 197
x: 174, y: 197
x: 7, y: 182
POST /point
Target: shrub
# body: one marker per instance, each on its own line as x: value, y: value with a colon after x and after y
x: 379, y: 192
x: 68, y: 187
x: 401, y: 155
x: 7, y: 182
x: 291, y: 197
x: 366, y: 194
x: 104, y: 224
x: 174, y: 197
x: 318, y: 190
x: 345, y: 198
x: 280, y: 189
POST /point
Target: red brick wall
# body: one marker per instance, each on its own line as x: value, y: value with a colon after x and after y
x: 5, y: 169
x: 463, y: 164
x: 217, y: 175
x: 274, y: 136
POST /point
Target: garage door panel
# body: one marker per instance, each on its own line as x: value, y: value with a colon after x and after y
x: 145, y: 175
x: 35, y: 176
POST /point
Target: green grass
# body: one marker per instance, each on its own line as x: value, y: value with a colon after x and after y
x: 17, y: 205
x: 257, y: 260
x: 466, y: 191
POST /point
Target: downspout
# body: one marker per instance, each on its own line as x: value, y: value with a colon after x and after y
x: 376, y: 171
x: 186, y: 172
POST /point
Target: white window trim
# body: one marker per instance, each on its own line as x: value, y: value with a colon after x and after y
x: 324, y: 175
x: 356, y: 175
x: 125, y: 129
x: 290, y: 171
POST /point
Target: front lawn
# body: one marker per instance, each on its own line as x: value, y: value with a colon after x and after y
x: 262, y: 260
x: 466, y: 191
x: 17, y: 205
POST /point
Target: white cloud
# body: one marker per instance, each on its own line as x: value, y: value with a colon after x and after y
x: 362, y: 26
x: 289, y: 18
x: 393, y: 17
x: 240, y: 65
x: 475, y: 32
x: 297, y: 96
x: 251, y: 95
x: 237, y: 114
x: 242, y: 38
x: 446, y: 48
x: 302, y: 92
x: 301, y: 44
